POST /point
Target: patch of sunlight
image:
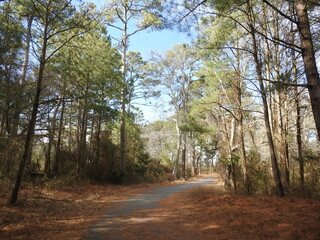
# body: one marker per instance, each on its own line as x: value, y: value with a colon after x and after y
x: 14, y: 227
x: 212, y: 226
x: 141, y: 219
x: 101, y: 229
x: 284, y: 225
x: 73, y: 221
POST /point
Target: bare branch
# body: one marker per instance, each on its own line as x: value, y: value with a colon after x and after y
x: 280, y: 12
x: 192, y: 10
x: 288, y: 84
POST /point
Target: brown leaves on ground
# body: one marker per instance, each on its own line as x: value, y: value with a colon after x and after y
x: 201, y: 213
x: 209, y: 213
x: 60, y: 212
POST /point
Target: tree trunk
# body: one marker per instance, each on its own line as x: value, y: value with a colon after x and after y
x: 98, y: 138
x: 232, y: 144
x: 82, y: 146
x: 176, y: 164
x: 58, y: 150
x: 280, y: 107
x: 183, y: 156
x: 234, y: 177
x: 31, y: 126
x: 198, y: 163
x: 194, y: 161
x: 124, y: 91
x: 298, y: 122
x: 274, y: 161
x: 23, y: 76
x: 244, y: 161
x: 309, y: 60
x: 51, y: 133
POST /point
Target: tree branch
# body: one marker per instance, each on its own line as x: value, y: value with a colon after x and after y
x: 280, y: 12
x: 287, y: 84
x: 190, y: 11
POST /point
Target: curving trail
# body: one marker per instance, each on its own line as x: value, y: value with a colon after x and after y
x: 127, y: 220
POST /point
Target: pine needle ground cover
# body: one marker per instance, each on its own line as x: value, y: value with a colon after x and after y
x: 66, y: 212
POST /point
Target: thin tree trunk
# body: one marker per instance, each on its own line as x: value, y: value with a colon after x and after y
x: 82, y: 146
x: 298, y: 122
x: 194, y: 163
x: 51, y: 133
x: 79, y: 131
x: 268, y: 68
x: 175, y: 168
x: 244, y: 162
x: 23, y: 76
x: 234, y: 177
x: 124, y: 92
x: 32, y: 123
x: 244, y: 156
x: 232, y: 141
x: 199, y: 162
x: 274, y: 161
x: 309, y: 60
x: 183, y: 156
x: 58, y: 150
x: 98, y: 139
x: 26, y: 53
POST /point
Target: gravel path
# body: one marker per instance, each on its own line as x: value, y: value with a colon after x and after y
x: 116, y: 219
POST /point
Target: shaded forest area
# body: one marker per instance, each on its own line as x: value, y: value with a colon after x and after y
x: 244, y: 96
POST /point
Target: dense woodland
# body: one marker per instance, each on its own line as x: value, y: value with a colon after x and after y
x: 245, y: 95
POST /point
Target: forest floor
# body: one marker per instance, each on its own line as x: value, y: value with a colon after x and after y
x: 66, y: 212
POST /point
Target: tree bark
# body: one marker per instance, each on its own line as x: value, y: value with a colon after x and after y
x: 244, y: 162
x: 51, y: 133
x: 124, y: 90
x: 183, y: 156
x: 58, y: 149
x: 274, y: 160
x: 31, y: 126
x: 82, y: 146
x: 298, y: 121
x: 176, y: 164
x: 98, y: 138
x: 23, y: 76
x: 308, y: 55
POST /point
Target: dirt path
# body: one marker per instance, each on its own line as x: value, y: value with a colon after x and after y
x: 133, y: 217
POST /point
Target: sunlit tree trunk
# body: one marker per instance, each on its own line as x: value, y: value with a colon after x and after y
x: 309, y: 60
x: 239, y: 85
x: 176, y: 164
x: 124, y: 90
x: 298, y: 119
x: 184, y: 156
x: 23, y: 75
x: 274, y: 160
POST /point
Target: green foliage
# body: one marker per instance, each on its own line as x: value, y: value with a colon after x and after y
x: 92, y: 68
x: 146, y: 13
x: 259, y: 174
x: 233, y: 159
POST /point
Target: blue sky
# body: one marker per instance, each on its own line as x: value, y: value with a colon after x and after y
x: 158, y: 41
